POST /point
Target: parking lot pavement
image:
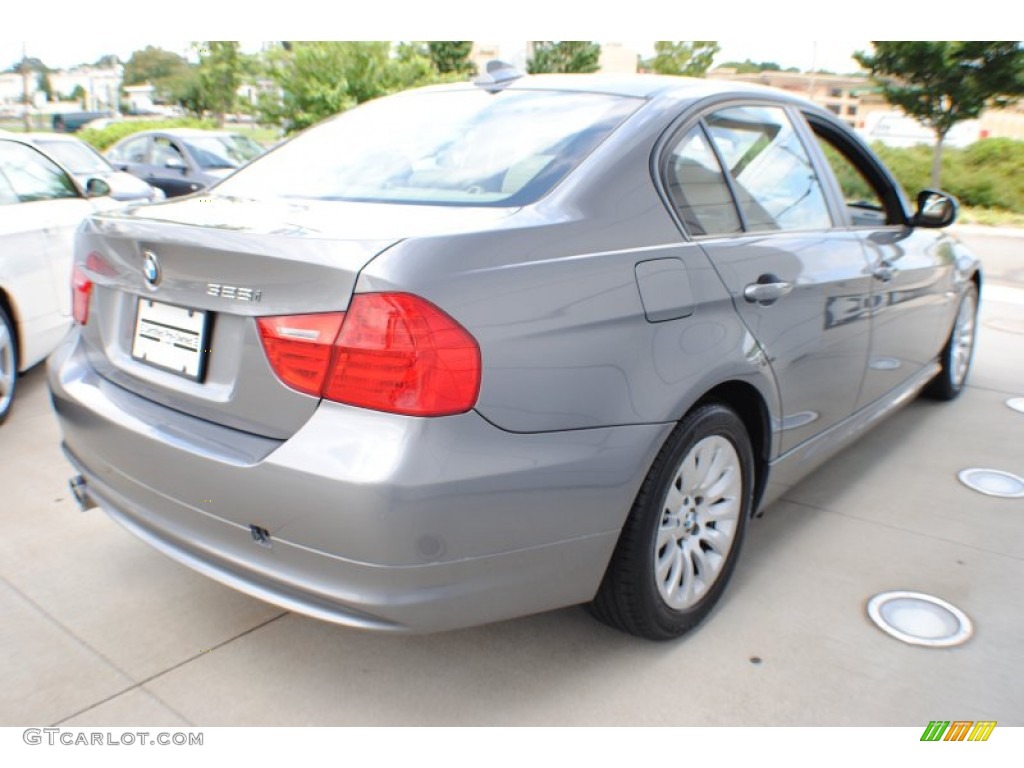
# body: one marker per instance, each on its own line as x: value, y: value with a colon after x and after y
x: 101, y: 630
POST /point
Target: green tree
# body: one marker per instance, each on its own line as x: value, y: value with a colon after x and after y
x: 564, y: 56
x: 108, y: 61
x: 452, y: 56
x: 154, y: 66
x: 410, y: 65
x: 77, y: 94
x: 43, y: 84
x: 747, y: 66
x: 942, y: 83
x: 681, y: 57
x: 220, y: 72
x: 30, y: 63
x: 318, y: 79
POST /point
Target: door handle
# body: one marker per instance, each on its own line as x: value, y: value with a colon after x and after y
x: 767, y: 290
x: 884, y: 272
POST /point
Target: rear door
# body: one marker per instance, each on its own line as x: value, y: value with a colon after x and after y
x: 132, y: 155
x: 171, y: 169
x: 800, y: 283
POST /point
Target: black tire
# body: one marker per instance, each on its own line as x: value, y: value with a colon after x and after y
x: 8, y: 364
x: 667, y: 549
x: 959, y: 350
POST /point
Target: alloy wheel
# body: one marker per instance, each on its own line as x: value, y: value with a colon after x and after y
x: 699, y: 520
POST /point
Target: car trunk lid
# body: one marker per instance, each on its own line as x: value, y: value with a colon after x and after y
x: 215, y: 264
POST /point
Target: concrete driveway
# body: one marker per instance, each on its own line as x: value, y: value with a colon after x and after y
x: 98, y: 629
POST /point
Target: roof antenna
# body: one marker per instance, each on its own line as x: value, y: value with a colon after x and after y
x: 498, y: 75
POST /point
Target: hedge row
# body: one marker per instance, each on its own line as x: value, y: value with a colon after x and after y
x: 987, y: 174
x: 101, y: 138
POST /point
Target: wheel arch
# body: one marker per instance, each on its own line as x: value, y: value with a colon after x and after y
x: 750, y: 406
x: 8, y: 307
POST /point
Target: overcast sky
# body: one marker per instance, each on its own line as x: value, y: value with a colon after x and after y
x: 833, y: 55
x: 73, y: 32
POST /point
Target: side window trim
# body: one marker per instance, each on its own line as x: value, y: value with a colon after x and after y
x: 894, y: 199
x: 801, y: 124
x: 797, y: 126
x: 829, y: 184
x: 663, y: 154
x: 729, y: 181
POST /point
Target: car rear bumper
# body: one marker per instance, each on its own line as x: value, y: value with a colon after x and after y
x: 374, y: 520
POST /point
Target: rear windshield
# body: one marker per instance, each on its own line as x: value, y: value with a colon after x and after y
x: 469, y: 148
x: 222, y: 151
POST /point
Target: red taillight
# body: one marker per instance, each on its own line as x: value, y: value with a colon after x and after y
x: 81, y: 285
x: 81, y: 292
x: 299, y: 347
x: 396, y: 352
x: 399, y: 353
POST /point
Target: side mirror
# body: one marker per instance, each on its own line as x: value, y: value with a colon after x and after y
x: 96, y: 188
x: 175, y: 162
x: 935, y: 209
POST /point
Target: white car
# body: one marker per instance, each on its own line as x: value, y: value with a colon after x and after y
x: 41, y: 206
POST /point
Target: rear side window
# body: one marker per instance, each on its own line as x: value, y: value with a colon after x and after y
x: 697, y: 187
x: 470, y: 148
x: 772, y: 176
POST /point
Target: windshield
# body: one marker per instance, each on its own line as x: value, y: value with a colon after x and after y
x: 77, y: 158
x: 441, y: 148
x: 222, y: 151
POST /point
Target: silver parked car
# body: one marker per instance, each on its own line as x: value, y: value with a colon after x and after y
x: 84, y: 162
x: 477, y: 351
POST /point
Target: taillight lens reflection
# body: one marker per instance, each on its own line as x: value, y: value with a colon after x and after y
x: 299, y: 348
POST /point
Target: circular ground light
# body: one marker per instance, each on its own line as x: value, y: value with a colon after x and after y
x: 920, y: 619
x: 993, y: 482
x: 1017, y: 403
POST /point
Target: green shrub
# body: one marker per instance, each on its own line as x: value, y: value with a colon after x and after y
x: 987, y: 174
x: 101, y: 138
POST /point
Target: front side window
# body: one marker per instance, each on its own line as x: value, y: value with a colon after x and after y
x: 697, y: 187
x: 870, y: 199
x: 165, y: 154
x: 32, y: 175
x: 772, y: 176
x: 465, y: 147
x: 132, y: 151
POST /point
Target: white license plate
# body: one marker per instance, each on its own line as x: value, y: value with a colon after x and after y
x: 172, y: 338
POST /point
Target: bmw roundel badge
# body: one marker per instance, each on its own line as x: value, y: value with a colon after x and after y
x: 150, y: 269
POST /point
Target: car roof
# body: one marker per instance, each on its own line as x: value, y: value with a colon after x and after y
x: 645, y: 86
x: 183, y: 133
x: 47, y: 136
x: 18, y: 137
